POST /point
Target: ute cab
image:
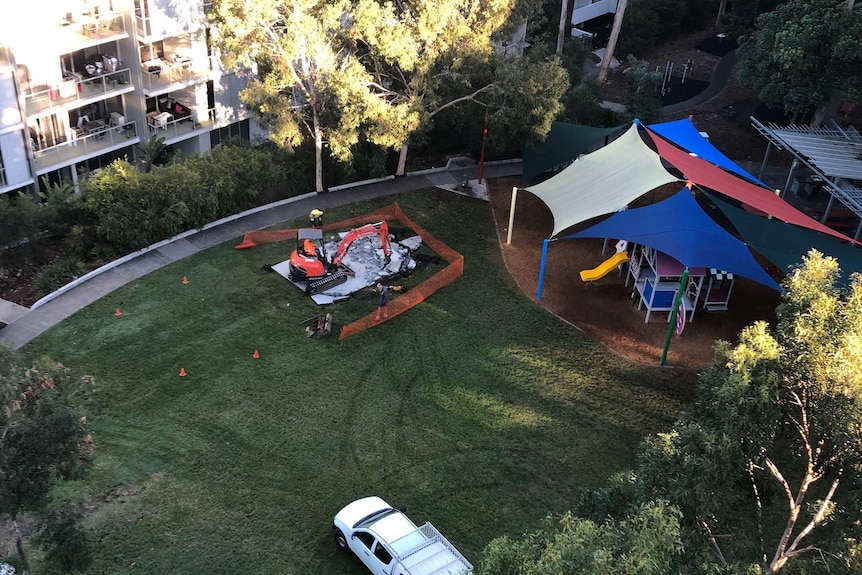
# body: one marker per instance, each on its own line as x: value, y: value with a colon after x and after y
x: 308, y: 260
x: 389, y: 543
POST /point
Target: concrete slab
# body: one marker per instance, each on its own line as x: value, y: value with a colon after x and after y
x: 178, y: 250
x: 10, y: 311
x: 442, y: 179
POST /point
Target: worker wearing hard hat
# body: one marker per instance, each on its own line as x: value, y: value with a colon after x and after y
x: 316, y: 218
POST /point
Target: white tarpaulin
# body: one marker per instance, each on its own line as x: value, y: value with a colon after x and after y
x: 602, y: 182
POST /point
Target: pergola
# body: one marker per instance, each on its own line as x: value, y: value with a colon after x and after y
x: 834, y: 155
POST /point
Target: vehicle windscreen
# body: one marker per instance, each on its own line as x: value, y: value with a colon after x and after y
x: 373, y: 517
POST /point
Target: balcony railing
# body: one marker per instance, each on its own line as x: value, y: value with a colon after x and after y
x: 205, y: 119
x: 160, y: 74
x: 86, y: 146
x: 75, y: 89
x: 92, y: 27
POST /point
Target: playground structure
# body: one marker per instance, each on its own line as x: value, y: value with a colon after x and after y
x: 615, y: 261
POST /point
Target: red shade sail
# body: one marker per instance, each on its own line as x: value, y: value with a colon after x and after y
x: 709, y: 176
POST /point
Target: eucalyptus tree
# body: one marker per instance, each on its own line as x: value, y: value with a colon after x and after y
x: 766, y: 466
x: 426, y: 56
x: 307, y: 80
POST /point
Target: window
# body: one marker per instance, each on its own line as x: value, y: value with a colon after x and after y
x: 381, y: 553
x: 366, y: 538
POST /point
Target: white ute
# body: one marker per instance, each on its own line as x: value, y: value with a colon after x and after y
x: 388, y: 543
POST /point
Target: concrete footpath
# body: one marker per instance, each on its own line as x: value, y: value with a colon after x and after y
x: 25, y: 324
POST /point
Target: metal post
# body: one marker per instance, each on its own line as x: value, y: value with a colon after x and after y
x: 542, y: 269
x: 511, y: 216
x: 825, y: 217
x: 482, y: 154
x: 679, y: 293
x: 763, y: 163
x: 793, y: 167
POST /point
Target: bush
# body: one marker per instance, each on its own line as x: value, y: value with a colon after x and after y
x: 59, y: 273
x: 22, y: 221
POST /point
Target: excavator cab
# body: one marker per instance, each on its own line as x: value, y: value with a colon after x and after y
x: 308, y: 260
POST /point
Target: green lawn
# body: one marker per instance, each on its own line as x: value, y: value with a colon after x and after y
x: 476, y: 410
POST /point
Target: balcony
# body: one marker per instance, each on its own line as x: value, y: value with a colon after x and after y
x: 76, y: 90
x: 172, y: 129
x: 99, y: 140
x: 584, y: 10
x: 162, y: 75
x: 92, y: 28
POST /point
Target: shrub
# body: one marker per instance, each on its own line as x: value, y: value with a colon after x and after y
x: 59, y: 273
x: 22, y: 221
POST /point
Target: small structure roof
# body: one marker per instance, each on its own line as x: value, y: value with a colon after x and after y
x: 603, y: 182
x: 678, y: 227
x: 835, y: 153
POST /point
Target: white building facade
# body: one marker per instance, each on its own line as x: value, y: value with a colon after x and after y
x: 83, y: 81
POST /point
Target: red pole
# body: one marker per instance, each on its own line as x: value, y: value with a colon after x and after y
x: 482, y: 153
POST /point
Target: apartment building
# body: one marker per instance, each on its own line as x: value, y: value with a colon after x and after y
x: 83, y: 81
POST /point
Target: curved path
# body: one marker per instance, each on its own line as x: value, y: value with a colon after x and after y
x: 25, y: 324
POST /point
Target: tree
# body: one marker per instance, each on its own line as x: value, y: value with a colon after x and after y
x: 428, y: 56
x: 645, y: 543
x: 44, y: 436
x: 308, y: 80
x: 612, y: 41
x: 150, y: 150
x: 803, y: 53
x: 773, y: 445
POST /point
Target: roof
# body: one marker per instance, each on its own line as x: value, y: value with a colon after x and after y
x: 707, y: 175
x: 564, y: 143
x: 686, y: 136
x: 678, y: 227
x: 835, y: 153
x: 785, y: 245
x: 602, y: 182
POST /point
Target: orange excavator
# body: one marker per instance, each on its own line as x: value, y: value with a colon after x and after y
x: 309, y: 262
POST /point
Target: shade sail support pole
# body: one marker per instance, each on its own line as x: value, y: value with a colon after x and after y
x: 511, y: 216
x: 542, y: 269
x: 672, y: 323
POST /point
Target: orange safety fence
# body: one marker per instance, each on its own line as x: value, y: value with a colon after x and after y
x: 417, y: 294
x: 405, y: 301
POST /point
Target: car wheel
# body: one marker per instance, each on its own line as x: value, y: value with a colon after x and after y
x: 340, y: 540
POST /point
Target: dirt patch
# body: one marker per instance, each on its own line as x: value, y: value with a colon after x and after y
x: 605, y: 309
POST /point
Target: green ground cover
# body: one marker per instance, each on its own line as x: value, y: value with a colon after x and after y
x: 476, y: 410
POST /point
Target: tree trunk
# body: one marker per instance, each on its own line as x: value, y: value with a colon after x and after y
x: 318, y: 151
x: 19, y: 545
x: 721, y: 8
x: 612, y: 41
x: 561, y: 34
x: 819, y: 116
x: 402, y: 160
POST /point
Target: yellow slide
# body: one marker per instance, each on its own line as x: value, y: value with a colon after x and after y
x: 605, y: 267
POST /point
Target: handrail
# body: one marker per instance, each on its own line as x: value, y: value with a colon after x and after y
x: 83, y: 88
x: 85, y: 145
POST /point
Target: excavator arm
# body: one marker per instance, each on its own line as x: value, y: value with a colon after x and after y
x: 378, y: 229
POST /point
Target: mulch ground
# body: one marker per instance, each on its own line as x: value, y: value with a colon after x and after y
x: 604, y: 309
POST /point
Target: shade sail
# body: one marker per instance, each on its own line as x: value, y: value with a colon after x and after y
x: 685, y: 135
x: 602, y: 182
x: 678, y: 227
x: 705, y: 174
x: 785, y: 245
x: 564, y: 143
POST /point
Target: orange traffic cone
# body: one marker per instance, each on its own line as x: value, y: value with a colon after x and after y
x: 185, y: 280
x: 255, y: 355
x: 117, y: 312
x: 182, y: 372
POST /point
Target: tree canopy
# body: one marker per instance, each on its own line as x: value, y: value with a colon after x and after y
x: 803, y: 53
x: 44, y: 436
x: 762, y: 473
x: 336, y: 72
